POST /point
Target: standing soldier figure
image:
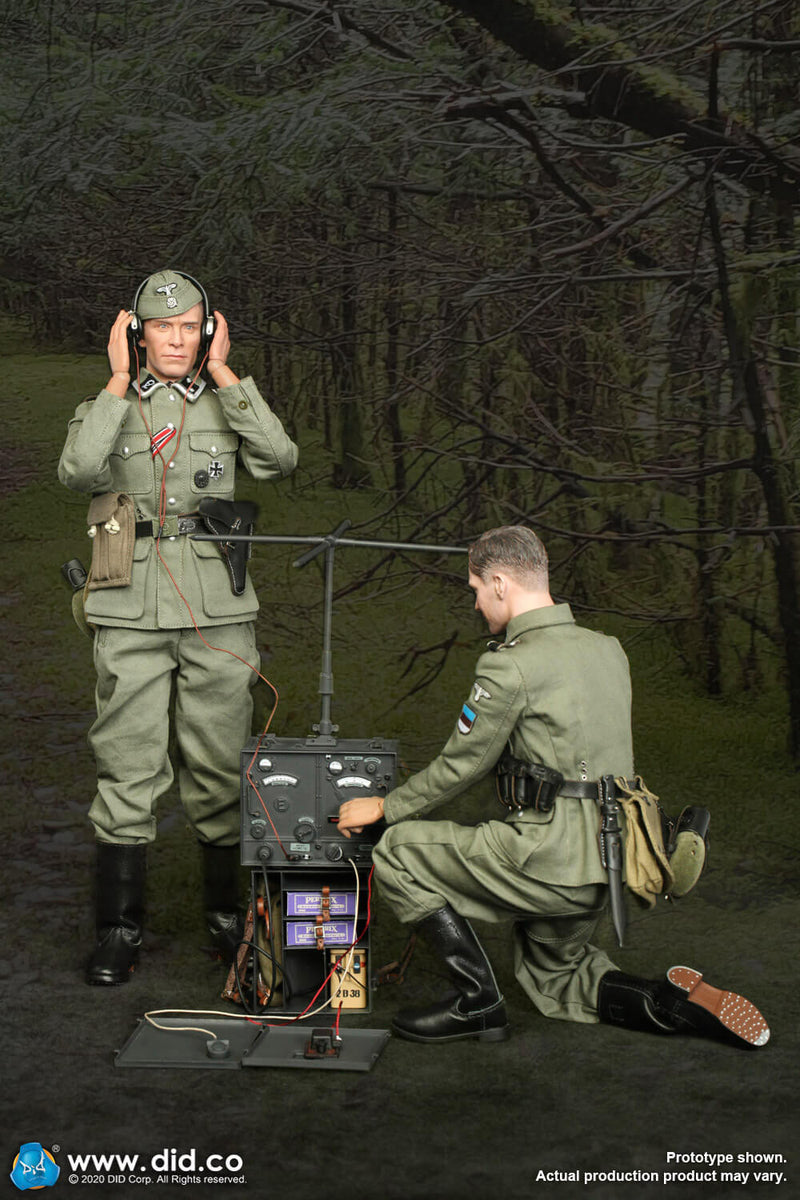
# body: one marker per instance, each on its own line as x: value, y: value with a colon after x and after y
x: 155, y: 448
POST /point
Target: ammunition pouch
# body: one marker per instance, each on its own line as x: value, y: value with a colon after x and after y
x: 111, y: 524
x: 662, y: 857
x: 522, y: 785
x: 225, y: 517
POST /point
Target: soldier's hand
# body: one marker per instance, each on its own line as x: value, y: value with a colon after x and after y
x: 119, y: 355
x: 220, y: 346
x: 355, y: 814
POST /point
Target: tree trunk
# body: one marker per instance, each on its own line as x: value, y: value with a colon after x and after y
x: 767, y: 469
x: 650, y: 100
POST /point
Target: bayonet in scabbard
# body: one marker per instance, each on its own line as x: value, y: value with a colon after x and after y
x: 611, y: 852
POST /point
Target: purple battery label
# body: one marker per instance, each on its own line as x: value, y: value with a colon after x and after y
x: 309, y: 904
x: 334, y: 933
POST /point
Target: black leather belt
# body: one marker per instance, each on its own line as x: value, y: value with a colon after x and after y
x: 522, y: 785
x: 584, y: 789
x: 172, y: 527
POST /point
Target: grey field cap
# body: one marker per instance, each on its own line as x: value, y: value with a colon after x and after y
x: 166, y: 294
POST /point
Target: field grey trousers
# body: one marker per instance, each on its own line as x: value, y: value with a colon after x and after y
x: 422, y: 865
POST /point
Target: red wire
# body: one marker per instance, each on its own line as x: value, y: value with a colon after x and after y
x: 343, y: 955
x: 223, y: 650
x: 161, y: 518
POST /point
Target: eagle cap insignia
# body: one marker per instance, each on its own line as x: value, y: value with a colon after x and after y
x: 167, y: 289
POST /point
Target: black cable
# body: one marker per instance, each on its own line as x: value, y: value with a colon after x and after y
x: 260, y: 950
x: 256, y: 1008
x: 269, y: 916
x: 254, y: 909
x: 239, y: 987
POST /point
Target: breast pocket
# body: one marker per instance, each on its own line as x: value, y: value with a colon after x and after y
x: 213, y: 462
x: 132, y: 464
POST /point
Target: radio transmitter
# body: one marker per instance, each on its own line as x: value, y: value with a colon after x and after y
x: 291, y: 792
x: 291, y: 788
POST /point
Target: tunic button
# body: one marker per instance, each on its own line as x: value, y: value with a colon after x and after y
x: 213, y: 449
x: 170, y: 464
x: 125, y: 450
x: 172, y: 500
x: 242, y: 404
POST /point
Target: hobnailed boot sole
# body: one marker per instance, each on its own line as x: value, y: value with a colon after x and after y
x: 734, y: 1013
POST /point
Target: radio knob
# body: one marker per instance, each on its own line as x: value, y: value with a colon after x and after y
x: 333, y: 853
x: 305, y: 832
x: 264, y: 853
x: 258, y: 829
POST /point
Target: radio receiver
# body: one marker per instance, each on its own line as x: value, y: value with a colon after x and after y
x: 291, y: 788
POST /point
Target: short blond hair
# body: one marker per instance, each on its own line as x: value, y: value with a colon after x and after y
x: 515, y: 550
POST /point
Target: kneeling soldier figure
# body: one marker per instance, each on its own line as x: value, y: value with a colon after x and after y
x: 556, y: 697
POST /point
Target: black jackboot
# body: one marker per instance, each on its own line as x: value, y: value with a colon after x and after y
x: 221, y: 897
x: 681, y: 1003
x: 119, y: 907
x: 477, y: 1009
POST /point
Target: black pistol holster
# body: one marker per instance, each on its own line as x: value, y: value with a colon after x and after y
x: 522, y: 785
x: 225, y: 517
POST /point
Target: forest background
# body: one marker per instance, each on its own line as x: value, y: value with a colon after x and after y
x: 519, y: 261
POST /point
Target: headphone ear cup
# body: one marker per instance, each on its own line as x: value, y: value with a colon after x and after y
x: 209, y: 329
x: 134, y: 335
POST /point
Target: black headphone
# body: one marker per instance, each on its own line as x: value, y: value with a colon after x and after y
x: 208, y: 327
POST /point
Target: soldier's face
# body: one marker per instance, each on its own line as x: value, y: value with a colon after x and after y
x: 172, y: 343
x: 489, y: 601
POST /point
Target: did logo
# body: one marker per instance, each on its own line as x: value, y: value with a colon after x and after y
x: 34, y: 1167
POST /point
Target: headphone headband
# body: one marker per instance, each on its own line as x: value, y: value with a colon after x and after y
x: 209, y: 325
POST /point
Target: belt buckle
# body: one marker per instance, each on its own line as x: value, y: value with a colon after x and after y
x: 186, y: 524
